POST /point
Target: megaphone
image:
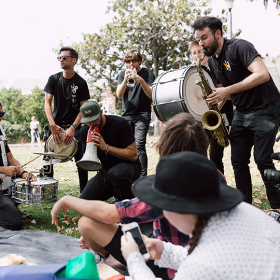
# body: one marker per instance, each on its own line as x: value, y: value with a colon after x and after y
x: 90, y: 161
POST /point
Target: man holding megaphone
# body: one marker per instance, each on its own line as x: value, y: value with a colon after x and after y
x: 116, y: 154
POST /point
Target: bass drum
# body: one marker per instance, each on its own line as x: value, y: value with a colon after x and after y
x: 175, y: 92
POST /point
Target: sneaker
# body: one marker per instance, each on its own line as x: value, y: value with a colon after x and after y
x: 275, y: 215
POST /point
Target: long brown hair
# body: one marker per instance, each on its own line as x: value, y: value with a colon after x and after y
x: 182, y: 133
x: 201, y: 223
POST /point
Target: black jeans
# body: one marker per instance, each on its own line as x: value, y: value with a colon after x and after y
x: 10, y: 217
x: 83, y: 174
x: 116, y: 182
x: 140, y: 126
x: 216, y: 151
x: 114, y: 248
x: 256, y: 129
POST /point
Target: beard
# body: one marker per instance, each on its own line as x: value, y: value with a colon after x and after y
x: 212, y: 48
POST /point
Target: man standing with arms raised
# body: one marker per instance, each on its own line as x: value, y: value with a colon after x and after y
x: 69, y: 91
x: 136, y: 102
x: 237, y: 65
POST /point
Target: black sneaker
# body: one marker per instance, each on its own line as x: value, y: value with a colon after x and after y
x: 275, y: 215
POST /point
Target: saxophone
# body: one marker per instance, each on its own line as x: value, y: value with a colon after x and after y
x: 212, y: 119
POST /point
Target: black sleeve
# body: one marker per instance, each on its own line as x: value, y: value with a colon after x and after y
x: 121, y: 77
x: 245, y: 52
x: 50, y: 86
x: 125, y: 134
x: 7, y: 148
x: 84, y: 93
x: 151, y: 77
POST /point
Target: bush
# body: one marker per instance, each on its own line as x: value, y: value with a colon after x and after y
x: 15, y: 133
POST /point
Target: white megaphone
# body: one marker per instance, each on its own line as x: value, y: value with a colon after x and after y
x: 90, y: 161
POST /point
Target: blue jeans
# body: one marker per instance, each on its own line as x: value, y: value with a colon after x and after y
x: 256, y: 129
x: 116, y: 182
x: 140, y: 126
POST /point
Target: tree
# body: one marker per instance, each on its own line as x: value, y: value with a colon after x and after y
x: 265, y: 2
x: 160, y: 29
x: 7, y: 98
x: 31, y: 106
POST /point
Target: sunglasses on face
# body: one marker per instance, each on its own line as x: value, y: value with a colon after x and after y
x: 2, y: 113
x: 133, y: 61
x: 63, y: 57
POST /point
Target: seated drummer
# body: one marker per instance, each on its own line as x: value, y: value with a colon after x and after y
x: 10, y: 217
x: 116, y: 150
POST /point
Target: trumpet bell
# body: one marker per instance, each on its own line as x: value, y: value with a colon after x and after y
x: 131, y: 82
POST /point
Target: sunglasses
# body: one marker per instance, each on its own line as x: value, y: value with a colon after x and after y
x: 2, y: 113
x: 63, y: 57
x: 133, y: 61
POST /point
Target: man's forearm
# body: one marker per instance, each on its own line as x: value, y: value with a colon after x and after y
x: 128, y: 153
x: 94, y: 209
x: 49, y: 115
x: 78, y: 119
x: 121, y: 89
x: 251, y: 81
x: 147, y: 89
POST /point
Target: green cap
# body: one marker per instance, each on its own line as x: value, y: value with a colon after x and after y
x: 90, y: 111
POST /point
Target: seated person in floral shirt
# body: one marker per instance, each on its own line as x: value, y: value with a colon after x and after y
x: 99, y: 225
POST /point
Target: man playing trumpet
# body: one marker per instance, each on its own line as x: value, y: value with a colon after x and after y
x: 136, y: 101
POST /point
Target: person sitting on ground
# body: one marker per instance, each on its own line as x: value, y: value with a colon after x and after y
x: 231, y: 239
x: 10, y: 217
x: 116, y: 151
x: 182, y: 133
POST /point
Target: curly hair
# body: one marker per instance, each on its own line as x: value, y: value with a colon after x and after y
x: 182, y: 133
x: 133, y: 54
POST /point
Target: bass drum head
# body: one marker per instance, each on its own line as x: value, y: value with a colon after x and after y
x: 193, y: 94
x: 61, y: 148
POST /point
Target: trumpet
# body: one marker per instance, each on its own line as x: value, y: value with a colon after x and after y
x: 131, y: 81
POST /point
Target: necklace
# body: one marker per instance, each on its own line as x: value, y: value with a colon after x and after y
x: 72, y: 86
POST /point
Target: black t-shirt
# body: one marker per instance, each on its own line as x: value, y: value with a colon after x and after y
x: 67, y: 98
x: 231, y: 68
x: 135, y: 101
x: 117, y: 133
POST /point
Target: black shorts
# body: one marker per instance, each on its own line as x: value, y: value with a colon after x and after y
x: 114, y: 248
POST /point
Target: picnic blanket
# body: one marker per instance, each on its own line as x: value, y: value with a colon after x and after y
x: 39, y: 247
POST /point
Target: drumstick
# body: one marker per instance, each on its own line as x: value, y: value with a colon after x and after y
x: 22, y: 166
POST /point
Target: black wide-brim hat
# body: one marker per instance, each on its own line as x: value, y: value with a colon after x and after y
x: 187, y: 183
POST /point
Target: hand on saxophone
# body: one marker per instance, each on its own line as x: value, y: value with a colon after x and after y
x: 218, y: 95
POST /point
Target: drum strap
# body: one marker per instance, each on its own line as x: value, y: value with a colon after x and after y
x: 3, y: 138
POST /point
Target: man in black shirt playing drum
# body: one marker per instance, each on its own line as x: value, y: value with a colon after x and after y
x: 237, y: 65
x: 136, y: 102
x: 69, y: 91
x: 116, y: 150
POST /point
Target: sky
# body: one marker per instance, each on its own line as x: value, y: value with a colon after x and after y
x: 30, y: 29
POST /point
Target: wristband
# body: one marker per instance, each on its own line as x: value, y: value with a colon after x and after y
x: 23, y: 173
x: 74, y: 126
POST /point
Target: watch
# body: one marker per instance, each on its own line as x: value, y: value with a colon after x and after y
x: 74, y: 126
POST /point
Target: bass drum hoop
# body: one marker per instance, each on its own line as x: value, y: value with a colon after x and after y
x: 51, y: 144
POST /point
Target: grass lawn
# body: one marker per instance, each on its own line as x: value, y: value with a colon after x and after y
x: 38, y: 216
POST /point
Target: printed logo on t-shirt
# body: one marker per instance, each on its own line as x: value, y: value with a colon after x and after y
x: 227, y: 65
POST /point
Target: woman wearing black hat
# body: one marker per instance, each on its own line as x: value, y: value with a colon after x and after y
x: 230, y: 238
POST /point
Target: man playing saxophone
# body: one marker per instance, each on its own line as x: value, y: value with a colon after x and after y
x: 216, y: 150
x: 238, y: 66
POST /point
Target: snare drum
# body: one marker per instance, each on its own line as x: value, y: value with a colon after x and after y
x: 175, y: 91
x: 61, y: 148
x: 44, y: 190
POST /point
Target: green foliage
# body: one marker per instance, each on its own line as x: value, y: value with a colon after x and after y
x: 160, y: 29
x: 15, y: 133
x: 265, y: 3
x: 31, y: 106
x: 7, y: 98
